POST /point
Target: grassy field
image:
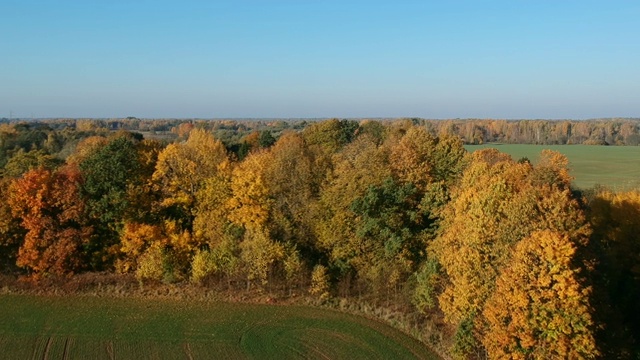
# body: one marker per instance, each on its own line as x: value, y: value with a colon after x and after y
x: 617, y: 167
x: 41, y: 327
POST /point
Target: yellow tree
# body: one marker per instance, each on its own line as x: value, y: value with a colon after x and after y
x: 180, y: 174
x: 136, y: 238
x: 181, y: 171
x: 477, y: 234
x: 411, y: 157
x: 539, y: 309
x: 250, y: 208
x: 259, y: 255
x: 85, y: 148
x: 497, y: 203
x: 289, y: 179
x: 250, y: 204
x: 271, y: 192
x: 182, y: 167
x: 211, y: 222
x: 324, y: 139
x: 142, y: 194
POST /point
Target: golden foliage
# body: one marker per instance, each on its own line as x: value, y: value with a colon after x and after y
x: 250, y: 204
x: 411, y: 158
x: 320, y: 282
x: 135, y: 240
x: 211, y: 211
x: 151, y: 264
x: 539, y: 310
x: 497, y: 203
x: 288, y: 174
x: 182, y: 167
x: 259, y: 255
x: 86, y: 148
x: 359, y: 165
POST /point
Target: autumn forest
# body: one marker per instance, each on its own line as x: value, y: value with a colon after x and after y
x: 489, y: 256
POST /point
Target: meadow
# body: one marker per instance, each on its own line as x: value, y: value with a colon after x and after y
x: 617, y: 167
x: 81, y: 327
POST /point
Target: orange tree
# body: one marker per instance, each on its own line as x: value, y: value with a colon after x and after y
x: 497, y: 203
x: 540, y: 309
x: 53, y: 214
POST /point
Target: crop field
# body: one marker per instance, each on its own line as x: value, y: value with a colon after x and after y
x: 617, y: 167
x: 40, y: 327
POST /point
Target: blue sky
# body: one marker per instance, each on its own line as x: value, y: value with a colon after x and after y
x: 312, y: 58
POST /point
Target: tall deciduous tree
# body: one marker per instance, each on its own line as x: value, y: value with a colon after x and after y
x: 539, y: 309
x: 360, y: 165
x: 52, y: 212
x: 252, y: 209
x: 251, y: 203
x: 497, y: 203
x: 289, y: 178
x: 388, y: 224
x: 109, y: 172
x: 182, y: 169
x: 411, y: 159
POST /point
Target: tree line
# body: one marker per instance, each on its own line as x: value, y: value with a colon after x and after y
x: 543, y: 132
x: 511, y: 259
x: 607, y: 131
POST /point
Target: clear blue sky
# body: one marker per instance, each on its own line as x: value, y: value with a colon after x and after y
x: 312, y: 58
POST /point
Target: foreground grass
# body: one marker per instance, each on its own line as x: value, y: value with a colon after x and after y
x: 77, y: 327
x: 617, y: 167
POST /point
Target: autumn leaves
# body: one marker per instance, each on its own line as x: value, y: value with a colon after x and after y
x: 507, y: 246
x: 340, y: 208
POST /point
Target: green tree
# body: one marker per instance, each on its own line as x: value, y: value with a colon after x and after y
x: 266, y: 139
x: 22, y: 161
x: 359, y: 166
x: 388, y: 222
x: 109, y: 172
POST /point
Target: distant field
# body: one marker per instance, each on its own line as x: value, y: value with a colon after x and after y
x: 38, y: 327
x: 615, y: 166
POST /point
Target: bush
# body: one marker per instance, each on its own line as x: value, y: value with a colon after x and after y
x: 464, y: 341
x: 320, y: 283
x: 151, y: 264
x: 424, y: 295
x: 221, y: 259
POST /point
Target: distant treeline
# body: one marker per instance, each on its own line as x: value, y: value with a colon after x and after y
x: 543, y: 132
x: 613, y: 131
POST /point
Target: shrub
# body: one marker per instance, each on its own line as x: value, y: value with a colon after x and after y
x: 320, y: 282
x: 151, y: 264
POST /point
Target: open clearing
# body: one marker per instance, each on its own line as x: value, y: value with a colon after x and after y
x: 617, y: 167
x: 44, y: 327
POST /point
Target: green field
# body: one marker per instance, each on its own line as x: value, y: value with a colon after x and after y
x: 39, y: 327
x: 617, y: 167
